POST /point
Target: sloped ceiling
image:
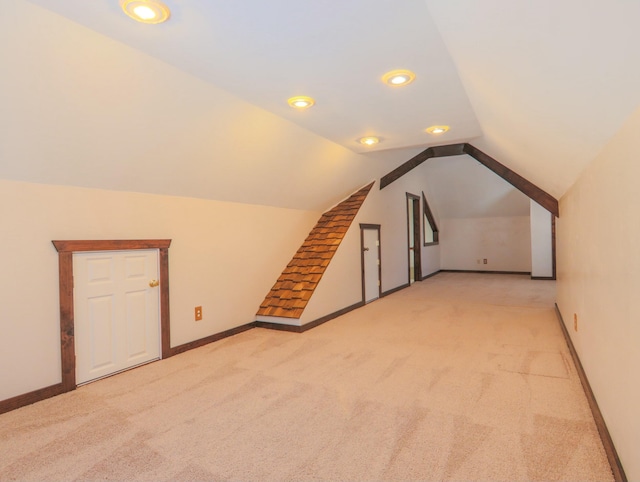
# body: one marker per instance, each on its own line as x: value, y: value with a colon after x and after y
x: 550, y: 81
x: 461, y: 187
x: 539, y: 85
x: 336, y: 52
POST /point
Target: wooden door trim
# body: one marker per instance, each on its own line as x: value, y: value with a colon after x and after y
x: 417, y: 245
x: 65, y: 267
x: 377, y: 228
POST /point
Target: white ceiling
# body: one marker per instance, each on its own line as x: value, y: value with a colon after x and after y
x: 461, y: 187
x: 550, y: 81
x: 540, y: 85
x: 333, y: 51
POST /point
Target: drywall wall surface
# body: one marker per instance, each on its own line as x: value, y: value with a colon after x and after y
x: 341, y: 284
x: 430, y: 259
x: 598, y: 256
x: 223, y: 256
x: 504, y: 242
x: 541, y: 242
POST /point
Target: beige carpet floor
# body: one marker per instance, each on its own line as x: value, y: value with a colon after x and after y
x: 459, y: 377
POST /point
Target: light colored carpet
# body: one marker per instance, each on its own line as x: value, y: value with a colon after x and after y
x: 462, y: 376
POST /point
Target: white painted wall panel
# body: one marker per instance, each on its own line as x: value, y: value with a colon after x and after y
x: 341, y: 285
x: 224, y: 257
x: 598, y: 236
x: 541, y: 242
x: 504, y: 242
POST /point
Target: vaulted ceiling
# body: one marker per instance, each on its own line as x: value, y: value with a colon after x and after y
x: 540, y: 85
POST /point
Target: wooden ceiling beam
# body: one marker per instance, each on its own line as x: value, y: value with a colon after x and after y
x: 516, y: 180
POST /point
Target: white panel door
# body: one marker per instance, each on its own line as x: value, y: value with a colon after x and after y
x: 370, y: 244
x: 116, y: 311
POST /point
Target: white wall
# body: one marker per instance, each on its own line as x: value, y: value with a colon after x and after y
x: 598, y: 256
x: 541, y: 242
x: 504, y: 242
x: 223, y: 257
x: 341, y: 285
x: 79, y: 109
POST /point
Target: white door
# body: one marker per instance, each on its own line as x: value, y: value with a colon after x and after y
x: 371, y: 264
x: 116, y: 311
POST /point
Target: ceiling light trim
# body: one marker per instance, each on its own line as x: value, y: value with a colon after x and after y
x: 157, y: 11
x: 369, y: 140
x: 437, y: 130
x: 398, y: 78
x: 301, y: 102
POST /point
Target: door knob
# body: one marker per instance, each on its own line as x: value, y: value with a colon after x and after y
x: 153, y: 283
x: 365, y: 249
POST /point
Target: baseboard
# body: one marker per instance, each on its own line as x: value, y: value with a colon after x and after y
x: 277, y: 326
x: 544, y: 278
x: 605, y: 436
x: 31, y: 397
x: 311, y: 324
x: 331, y: 316
x: 483, y: 271
x: 209, y: 339
x: 393, y: 290
x: 431, y: 275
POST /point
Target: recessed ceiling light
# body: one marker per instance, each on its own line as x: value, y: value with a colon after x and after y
x: 370, y: 140
x: 398, y: 78
x: 437, y: 129
x: 301, y: 102
x: 146, y: 11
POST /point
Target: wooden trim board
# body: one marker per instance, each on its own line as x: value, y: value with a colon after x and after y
x: 605, y: 436
x: 31, y: 397
x: 516, y: 180
x: 393, y: 290
x: 65, y: 267
x: 431, y: 275
x: 311, y: 324
x: 483, y: 271
x: 176, y: 350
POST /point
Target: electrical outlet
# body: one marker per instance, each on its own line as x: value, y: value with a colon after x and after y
x: 198, y: 313
x: 484, y: 261
x: 575, y: 322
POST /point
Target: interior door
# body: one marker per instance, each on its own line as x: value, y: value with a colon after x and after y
x: 371, y: 269
x: 116, y: 311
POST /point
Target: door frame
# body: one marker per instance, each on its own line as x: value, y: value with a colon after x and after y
x: 65, y: 266
x: 377, y: 228
x: 417, y: 246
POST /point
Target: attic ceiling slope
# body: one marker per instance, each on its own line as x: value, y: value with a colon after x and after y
x: 82, y: 109
x: 534, y: 192
x: 550, y: 82
x: 336, y: 52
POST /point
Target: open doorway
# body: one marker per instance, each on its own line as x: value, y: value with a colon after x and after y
x: 413, y: 230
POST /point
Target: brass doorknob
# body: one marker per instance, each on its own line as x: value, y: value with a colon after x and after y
x: 365, y: 249
x: 153, y: 283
